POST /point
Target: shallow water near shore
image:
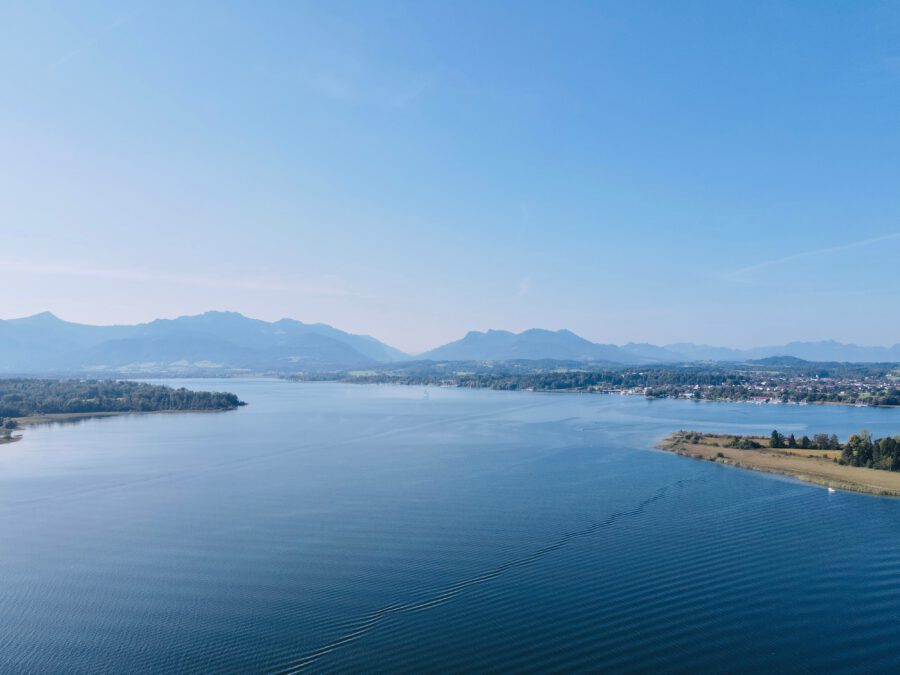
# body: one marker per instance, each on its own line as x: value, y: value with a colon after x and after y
x: 344, y: 527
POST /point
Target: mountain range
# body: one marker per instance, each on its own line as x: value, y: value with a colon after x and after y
x: 228, y: 342
x: 564, y: 345
x: 211, y: 342
x: 534, y: 344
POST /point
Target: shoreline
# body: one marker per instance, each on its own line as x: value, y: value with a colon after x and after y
x: 54, y: 418
x: 63, y: 418
x: 535, y: 390
x: 51, y: 418
x: 816, y: 467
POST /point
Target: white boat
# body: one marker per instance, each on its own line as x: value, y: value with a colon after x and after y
x: 831, y: 490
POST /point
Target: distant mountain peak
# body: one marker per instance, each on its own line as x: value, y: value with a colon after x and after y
x: 531, y: 344
x: 221, y: 312
x: 43, y: 317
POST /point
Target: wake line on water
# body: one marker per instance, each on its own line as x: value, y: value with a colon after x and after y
x: 441, y: 597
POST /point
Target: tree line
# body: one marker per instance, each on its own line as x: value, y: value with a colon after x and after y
x: 24, y: 397
x: 861, y: 449
x: 875, y: 385
x: 571, y: 380
x: 817, y: 442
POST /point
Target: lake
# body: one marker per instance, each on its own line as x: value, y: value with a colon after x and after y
x: 340, y: 527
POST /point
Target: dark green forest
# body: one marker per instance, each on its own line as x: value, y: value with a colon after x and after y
x: 876, y: 453
x: 24, y: 397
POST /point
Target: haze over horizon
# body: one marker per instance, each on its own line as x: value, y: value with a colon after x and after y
x: 444, y: 343
x: 705, y: 173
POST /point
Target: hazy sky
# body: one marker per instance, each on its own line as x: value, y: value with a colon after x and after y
x: 725, y: 173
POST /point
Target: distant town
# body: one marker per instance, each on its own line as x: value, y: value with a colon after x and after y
x: 776, y: 380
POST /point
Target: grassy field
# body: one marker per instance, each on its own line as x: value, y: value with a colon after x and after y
x: 812, y: 466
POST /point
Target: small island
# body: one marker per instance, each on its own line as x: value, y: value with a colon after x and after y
x: 862, y: 464
x: 26, y: 401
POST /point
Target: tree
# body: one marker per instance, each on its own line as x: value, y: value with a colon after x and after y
x: 860, y: 450
x: 776, y: 440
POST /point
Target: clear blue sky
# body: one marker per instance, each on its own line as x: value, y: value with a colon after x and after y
x: 725, y: 173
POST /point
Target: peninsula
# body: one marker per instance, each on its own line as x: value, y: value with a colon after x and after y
x: 862, y: 464
x: 26, y: 401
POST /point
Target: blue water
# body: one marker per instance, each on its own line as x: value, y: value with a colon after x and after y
x: 349, y: 528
